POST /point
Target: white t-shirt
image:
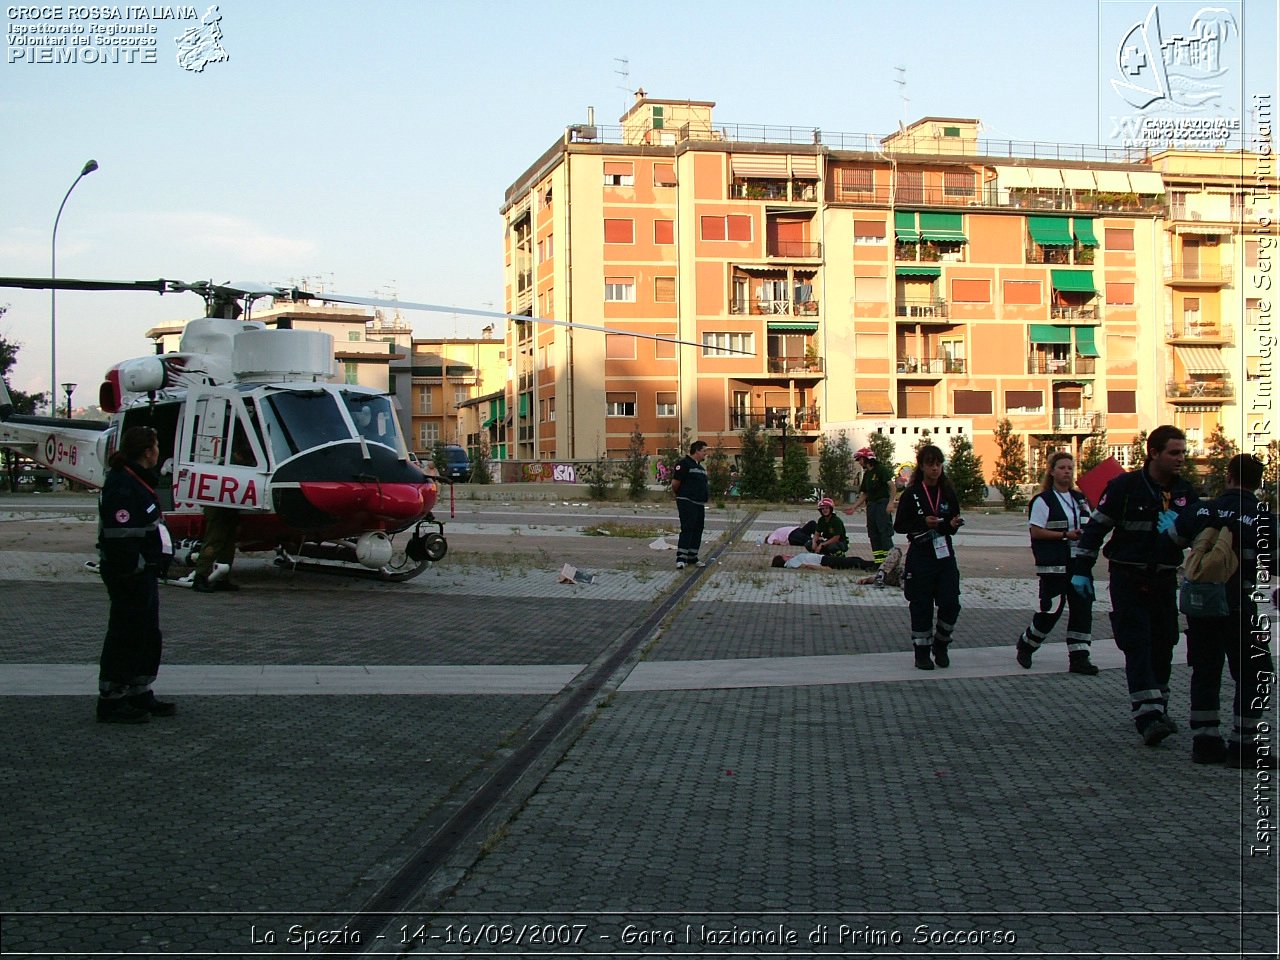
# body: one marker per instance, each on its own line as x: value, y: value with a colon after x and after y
x: 1076, y: 516
x: 804, y: 560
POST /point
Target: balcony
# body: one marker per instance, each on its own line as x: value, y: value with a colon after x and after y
x: 930, y: 366
x: 794, y: 249
x: 923, y: 308
x: 1061, y: 366
x: 774, y: 308
x: 1198, y: 391
x: 796, y: 366
x: 1198, y: 274
x: 1059, y: 256
x: 800, y: 419
x: 1074, y: 421
x: 1201, y: 331
x: 1089, y: 312
x: 793, y: 191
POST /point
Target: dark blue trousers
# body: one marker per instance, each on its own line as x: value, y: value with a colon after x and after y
x: 1144, y: 618
x: 693, y: 517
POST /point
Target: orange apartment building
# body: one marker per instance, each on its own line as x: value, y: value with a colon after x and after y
x: 926, y: 281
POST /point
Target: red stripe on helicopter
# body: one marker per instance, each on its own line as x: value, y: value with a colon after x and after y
x: 383, y: 501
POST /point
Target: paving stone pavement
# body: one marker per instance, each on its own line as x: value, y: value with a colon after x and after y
x: 1010, y: 815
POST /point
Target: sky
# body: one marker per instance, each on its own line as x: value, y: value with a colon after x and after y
x: 367, y: 145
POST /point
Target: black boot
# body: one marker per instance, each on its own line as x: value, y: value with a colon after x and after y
x: 1079, y: 663
x: 922, y: 658
x: 119, y: 710
x: 1024, y: 653
x: 940, y: 656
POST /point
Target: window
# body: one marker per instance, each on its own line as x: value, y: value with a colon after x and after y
x: 1120, y: 294
x: 1191, y: 310
x: 664, y: 174
x: 1251, y: 254
x: 1023, y: 292
x: 619, y: 231
x: 619, y: 174
x: 855, y: 180
x: 620, y: 289
x: 958, y: 184
x: 619, y: 346
x: 911, y: 186
x: 722, y: 344
x: 664, y: 349
x: 870, y: 289
x: 428, y: 434
x: 544, y: 198
x: 734, y: 226
x: 620, y: 404
x: 546, y: 248
x: 666, y: 404
x: 664, y: 231
x: 1178, y: 205
x: 971, y: 291
x: 1118, y: 238
x: 460, y: 395
x: 547, y: 300
x: 658, y: 118
x: 424, y: 401
x: 351, y: 372
x: 972, y: 402
x: 869, y: 231
x: 664, y: 289
x: 1122, y: 401
x: 355, y: 335
x: 1024, y: 401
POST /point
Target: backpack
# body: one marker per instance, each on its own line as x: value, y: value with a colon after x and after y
x: 1208, y: 567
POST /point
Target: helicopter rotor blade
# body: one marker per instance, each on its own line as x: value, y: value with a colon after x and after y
x: 495, y: 315
x: 50, y: 283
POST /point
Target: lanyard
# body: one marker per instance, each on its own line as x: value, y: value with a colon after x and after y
x: 932, y: 502
x: 1069, y: 503
x: 150, y: 489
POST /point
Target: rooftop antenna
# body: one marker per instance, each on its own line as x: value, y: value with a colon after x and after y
x: 625, y: 73
x: 902, y: 93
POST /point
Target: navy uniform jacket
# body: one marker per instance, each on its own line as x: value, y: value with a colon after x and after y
x: 1128, y: 510
x: 129, y: 521
x: 1253, y: 537
x: 914, y: 506
x: 693, y: 480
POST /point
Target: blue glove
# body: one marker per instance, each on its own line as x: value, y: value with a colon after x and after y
x: 1166, y: 520
x: 1083, y: 585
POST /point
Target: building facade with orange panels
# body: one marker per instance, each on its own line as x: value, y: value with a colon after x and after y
x: 927, y: 283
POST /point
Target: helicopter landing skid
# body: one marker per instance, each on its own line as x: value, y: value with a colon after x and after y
x: 339, y: 557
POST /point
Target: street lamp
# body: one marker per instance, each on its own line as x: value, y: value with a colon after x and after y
x: 88, y: 168
x: 68, y: 389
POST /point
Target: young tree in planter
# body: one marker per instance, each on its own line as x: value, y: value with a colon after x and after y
x: 719, y: 470
x: 636, y: 467
x: 795, y: 484
x: 759, y: 476
x: 835, y: 465
x: 1011, y: 467
x: 964, y: 467
x: 1221, y: 450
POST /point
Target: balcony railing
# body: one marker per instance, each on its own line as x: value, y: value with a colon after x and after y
x: 772, y: 418
x: 1074, y: 421
x: 1198, y: 389
x: 792, y: 365
x: 783, y: 308
x: 927, y: 309
x: 1060, y: 256
x: 1054, y: 366
x: 1087, y: 311
x: 930, y: 366
x: 1207, y: 273
x: 1199, y: 330
x: 795, y: 249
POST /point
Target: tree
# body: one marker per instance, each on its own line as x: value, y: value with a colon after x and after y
x: 719, y: 470
x: 1221, y: 450
x: 26, y: 403
x: 1011, y: 467
x: 1271, y: 475
x: 672, y: 452
x: 835, y: 465
x: 480, y: 462
x: 1138, y: 451
x: 636, y: 466
x: 795, y: 484
x: 759, y: 476
x: 1094, y: 451
x: 964, y: 467
x: 883, y: 448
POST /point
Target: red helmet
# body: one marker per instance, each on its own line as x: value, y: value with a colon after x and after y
x: 866, y: 453
x: 826, y: 502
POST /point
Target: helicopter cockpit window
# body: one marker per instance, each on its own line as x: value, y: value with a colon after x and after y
x: 303, y: 419
x: 374, y: 418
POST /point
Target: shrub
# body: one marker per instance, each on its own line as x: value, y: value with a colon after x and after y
x: 964, y: 468
x: 1011, y: 467
x: 758, y: 477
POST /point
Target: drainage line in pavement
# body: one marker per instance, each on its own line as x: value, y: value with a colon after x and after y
x: 412, y: 877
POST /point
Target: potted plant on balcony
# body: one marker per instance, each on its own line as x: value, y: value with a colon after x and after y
x: 810, y: 358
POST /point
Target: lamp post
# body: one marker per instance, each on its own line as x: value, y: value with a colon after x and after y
x: 68, y: 389
x: 88, y: 168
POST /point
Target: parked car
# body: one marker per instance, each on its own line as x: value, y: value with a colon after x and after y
x: 457, y: 465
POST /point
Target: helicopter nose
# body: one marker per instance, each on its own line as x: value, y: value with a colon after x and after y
x: 390, y: 502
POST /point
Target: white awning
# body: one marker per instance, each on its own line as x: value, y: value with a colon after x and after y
x: 1203, y: 229
x: 1112, y: 181
x: 1078, y: 179
x: 804, y: 166
x: 1045, y: 179
x: 759, y: 165
x: 1201, y: 359
x: 1146, y: 182
x: 1013, y: 177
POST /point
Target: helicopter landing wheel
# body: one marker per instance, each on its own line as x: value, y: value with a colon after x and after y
x: 402, y: 567
x: 429, y: 547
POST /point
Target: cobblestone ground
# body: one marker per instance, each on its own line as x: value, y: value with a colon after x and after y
x: 992, y: 815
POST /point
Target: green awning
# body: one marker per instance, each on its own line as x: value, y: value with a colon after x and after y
x: 1084, y: 342
x: 488, y: 423
x: 792, y: 326
x: 944, y: 227
x: 1051, y: 231
x: 524, y: 404
x: 904, y: 226
x: 1050, y: 333
x: 919, y: 270
x: 1084, y: 232
x: 1073, y: 281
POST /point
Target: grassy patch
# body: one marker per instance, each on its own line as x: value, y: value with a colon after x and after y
x: 634, y: 531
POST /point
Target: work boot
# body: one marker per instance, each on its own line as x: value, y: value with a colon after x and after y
x: 1157, y: 730
x: 148, y: 702
x: 1080, y: 663
x: 940, y: 656
x: 224, y: 586
x: 200, y: 584
x: 922, y: 658
x: 1245, y: 756
x: 1025, y: 651
x: 1208, y: 750
x: 119, y: 710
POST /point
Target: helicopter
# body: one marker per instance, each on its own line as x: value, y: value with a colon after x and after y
x: 249, y: 418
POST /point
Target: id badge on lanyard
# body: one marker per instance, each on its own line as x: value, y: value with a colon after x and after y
x: 940, y: 548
